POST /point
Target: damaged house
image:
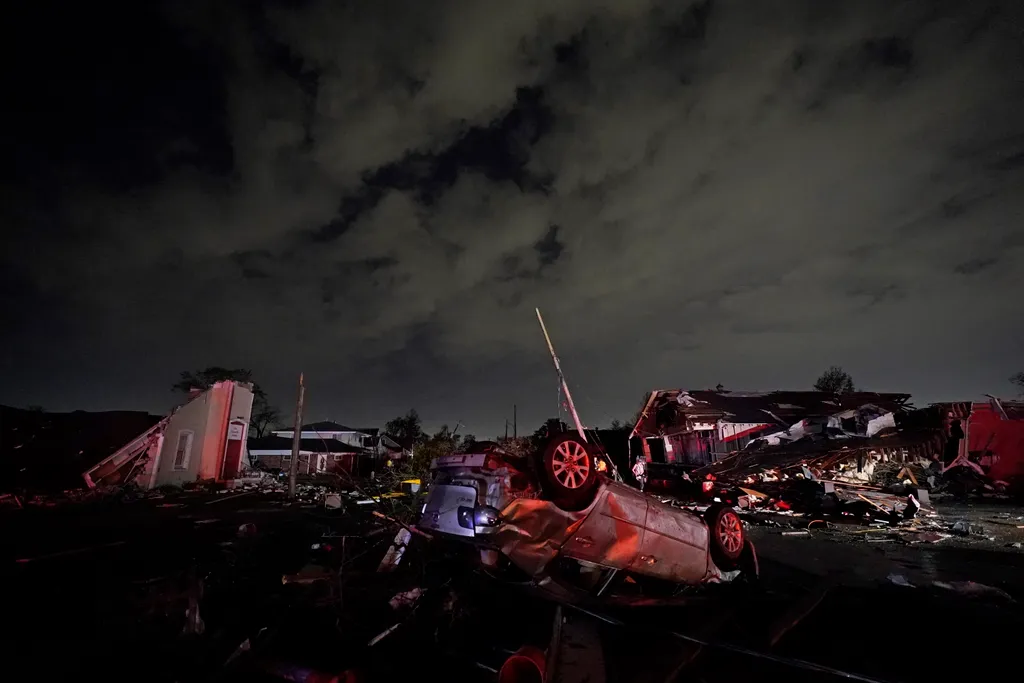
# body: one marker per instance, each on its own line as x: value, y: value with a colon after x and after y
x: 201, y: 440
x: 987, y: 437
x: 699, y: 428
x: 857, y: 438
x: 325, y: 447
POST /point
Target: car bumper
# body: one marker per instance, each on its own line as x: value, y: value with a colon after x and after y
x: 453, y: 510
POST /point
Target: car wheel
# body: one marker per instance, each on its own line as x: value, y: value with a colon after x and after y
x: 570, y: 472
x: 726, y: 535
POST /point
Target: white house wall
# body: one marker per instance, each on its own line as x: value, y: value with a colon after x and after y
x: 350, y: 438
x: 191, y: 417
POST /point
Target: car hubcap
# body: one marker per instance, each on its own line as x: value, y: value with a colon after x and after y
x: 570, y: 464
x: 730, y: 532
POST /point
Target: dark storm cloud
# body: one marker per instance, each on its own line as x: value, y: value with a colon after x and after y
x: 975, y: 265
x: 743, y: 192
x: 549, y: 248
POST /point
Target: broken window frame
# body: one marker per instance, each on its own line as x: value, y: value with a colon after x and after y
x: 185, y: 452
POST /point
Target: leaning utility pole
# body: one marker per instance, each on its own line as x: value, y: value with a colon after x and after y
x: 558, y: 369
x: 296, y: 439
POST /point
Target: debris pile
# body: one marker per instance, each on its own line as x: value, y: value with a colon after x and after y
x: 862, y: 484
x: 864, y: 457
x: 848, y: 435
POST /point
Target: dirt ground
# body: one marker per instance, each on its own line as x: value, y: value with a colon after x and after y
x: 107, y: 585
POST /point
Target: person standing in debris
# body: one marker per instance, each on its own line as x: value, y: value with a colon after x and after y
x: 934, y: 471
x: 956, y: 434
x: 640, y: 471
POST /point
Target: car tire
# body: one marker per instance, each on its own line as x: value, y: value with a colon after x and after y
x: 726, y: 536
x: 568, y: 472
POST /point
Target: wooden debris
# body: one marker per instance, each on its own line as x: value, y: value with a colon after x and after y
x: 871, y: 502
x: 403, y: 525
x: 1001, y: 522
x: 906, y: 472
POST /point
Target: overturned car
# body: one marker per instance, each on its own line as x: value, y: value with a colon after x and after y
x: 557, y: 516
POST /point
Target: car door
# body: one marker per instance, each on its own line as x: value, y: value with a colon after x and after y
x: 612, y: 534
x: 674, y: 546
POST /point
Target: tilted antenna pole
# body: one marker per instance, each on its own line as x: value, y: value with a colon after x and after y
x: 558, y: 369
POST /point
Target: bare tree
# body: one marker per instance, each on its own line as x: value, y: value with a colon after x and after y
x: 1018, y: 380
x: 835, y: 380
x: 264, y: 417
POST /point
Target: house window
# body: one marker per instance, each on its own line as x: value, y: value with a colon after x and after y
x: 287, y: 458
x: 184, y: 449
x: 337, y: 458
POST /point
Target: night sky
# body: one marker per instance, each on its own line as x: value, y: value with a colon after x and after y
x: 379, y: 193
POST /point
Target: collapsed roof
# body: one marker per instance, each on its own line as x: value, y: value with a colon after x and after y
x: 668, y: 412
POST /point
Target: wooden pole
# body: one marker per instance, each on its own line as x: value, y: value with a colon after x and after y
x: 565, y: 386
x: 515, y: 422
x: 296, y: 438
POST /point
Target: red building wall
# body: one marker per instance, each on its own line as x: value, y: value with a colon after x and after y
x: 989, y: 432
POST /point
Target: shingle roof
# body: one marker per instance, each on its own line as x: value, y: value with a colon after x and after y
x: 326, y: 426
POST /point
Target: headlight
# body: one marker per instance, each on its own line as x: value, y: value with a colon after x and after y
x: 465, y: 516
x: 485, y: 515
x: 481, y: 515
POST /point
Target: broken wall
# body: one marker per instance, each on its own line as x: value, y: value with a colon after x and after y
x: 185, y: 439
x: 998, y: 443
x: 233, y: 460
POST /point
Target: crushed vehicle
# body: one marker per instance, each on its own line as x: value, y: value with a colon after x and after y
x: 557, y: 517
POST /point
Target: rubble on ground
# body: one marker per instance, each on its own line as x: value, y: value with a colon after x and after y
x: 837, y: 491
x: 274, y: 589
